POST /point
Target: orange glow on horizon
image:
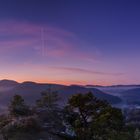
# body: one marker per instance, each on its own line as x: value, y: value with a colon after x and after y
x: 61, y: 82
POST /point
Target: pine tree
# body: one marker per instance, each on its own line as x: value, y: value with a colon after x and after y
x: 18, y: 107
x: 48, y: 99
x: 92, y: 118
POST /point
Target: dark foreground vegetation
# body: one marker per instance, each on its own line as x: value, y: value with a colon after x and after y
x: 83, y: 118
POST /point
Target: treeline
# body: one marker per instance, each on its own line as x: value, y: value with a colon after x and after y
x: 83, y: 118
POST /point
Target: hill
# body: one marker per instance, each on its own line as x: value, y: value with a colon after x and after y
x: 70, y: 90
x: 31, y: 92
x: 132, y: 95
x: 7, y: 84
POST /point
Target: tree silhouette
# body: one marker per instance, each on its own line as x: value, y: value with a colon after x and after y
x: 48, y: 99
x: 92, y: 118
x: 18, y: 107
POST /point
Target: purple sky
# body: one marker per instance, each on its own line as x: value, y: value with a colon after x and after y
x: 70, y: 42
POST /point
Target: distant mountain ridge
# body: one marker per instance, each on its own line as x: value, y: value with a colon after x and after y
x: 31, y: 91
x: 8, y: 83
x: 113, y: 85
x: 132, y: 95
x: 70, y: 90
x: 5, y: 82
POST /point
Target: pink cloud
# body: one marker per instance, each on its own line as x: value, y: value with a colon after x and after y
x: 46, y: 41
x: 74, y: 70
x: 81, y: 70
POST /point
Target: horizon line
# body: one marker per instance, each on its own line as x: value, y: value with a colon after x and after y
x: 70, y: 84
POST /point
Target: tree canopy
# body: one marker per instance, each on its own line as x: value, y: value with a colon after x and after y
x: 48, y: 99
x: 92, y: 118
x: 18, y: 107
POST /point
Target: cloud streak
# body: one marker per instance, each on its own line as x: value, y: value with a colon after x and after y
x: 73, y: 70
x: 54, y: 43
x: 81, y: 70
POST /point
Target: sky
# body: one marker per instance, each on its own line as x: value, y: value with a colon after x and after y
x: 70, y: 41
